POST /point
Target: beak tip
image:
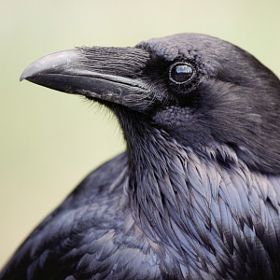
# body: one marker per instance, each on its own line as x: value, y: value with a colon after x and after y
x: 28, y: 72
x: 22, y: 77
x: 52, y: 61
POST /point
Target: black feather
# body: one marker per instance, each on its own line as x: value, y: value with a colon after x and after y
x: 196, y: 195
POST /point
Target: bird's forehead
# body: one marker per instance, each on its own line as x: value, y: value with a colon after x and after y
x: 161, y: 48
x: 209, y: 53
x: 187, y: 45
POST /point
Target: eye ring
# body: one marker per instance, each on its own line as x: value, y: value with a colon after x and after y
x: 181, y: 72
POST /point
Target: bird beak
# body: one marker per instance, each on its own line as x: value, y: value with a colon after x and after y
x: 110, y: 75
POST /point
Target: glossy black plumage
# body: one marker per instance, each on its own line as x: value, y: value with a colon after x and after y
x: 196, y: 195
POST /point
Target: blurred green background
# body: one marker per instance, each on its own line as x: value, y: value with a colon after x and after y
x: 50, y: 140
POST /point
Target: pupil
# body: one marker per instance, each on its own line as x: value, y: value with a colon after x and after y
x: 181, y: 73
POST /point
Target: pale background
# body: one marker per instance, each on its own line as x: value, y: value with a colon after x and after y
x: 50, y: 140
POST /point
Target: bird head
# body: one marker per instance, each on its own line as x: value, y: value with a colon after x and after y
x: 200, y: 90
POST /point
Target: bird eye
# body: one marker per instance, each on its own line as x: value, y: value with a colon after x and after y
x: 181, y: 73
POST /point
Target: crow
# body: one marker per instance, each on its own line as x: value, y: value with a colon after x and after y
x: 197, y: 193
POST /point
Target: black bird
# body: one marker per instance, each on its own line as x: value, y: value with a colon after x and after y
x: 196, y: 195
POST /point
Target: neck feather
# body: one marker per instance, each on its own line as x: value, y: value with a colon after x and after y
x: 196, y: 204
